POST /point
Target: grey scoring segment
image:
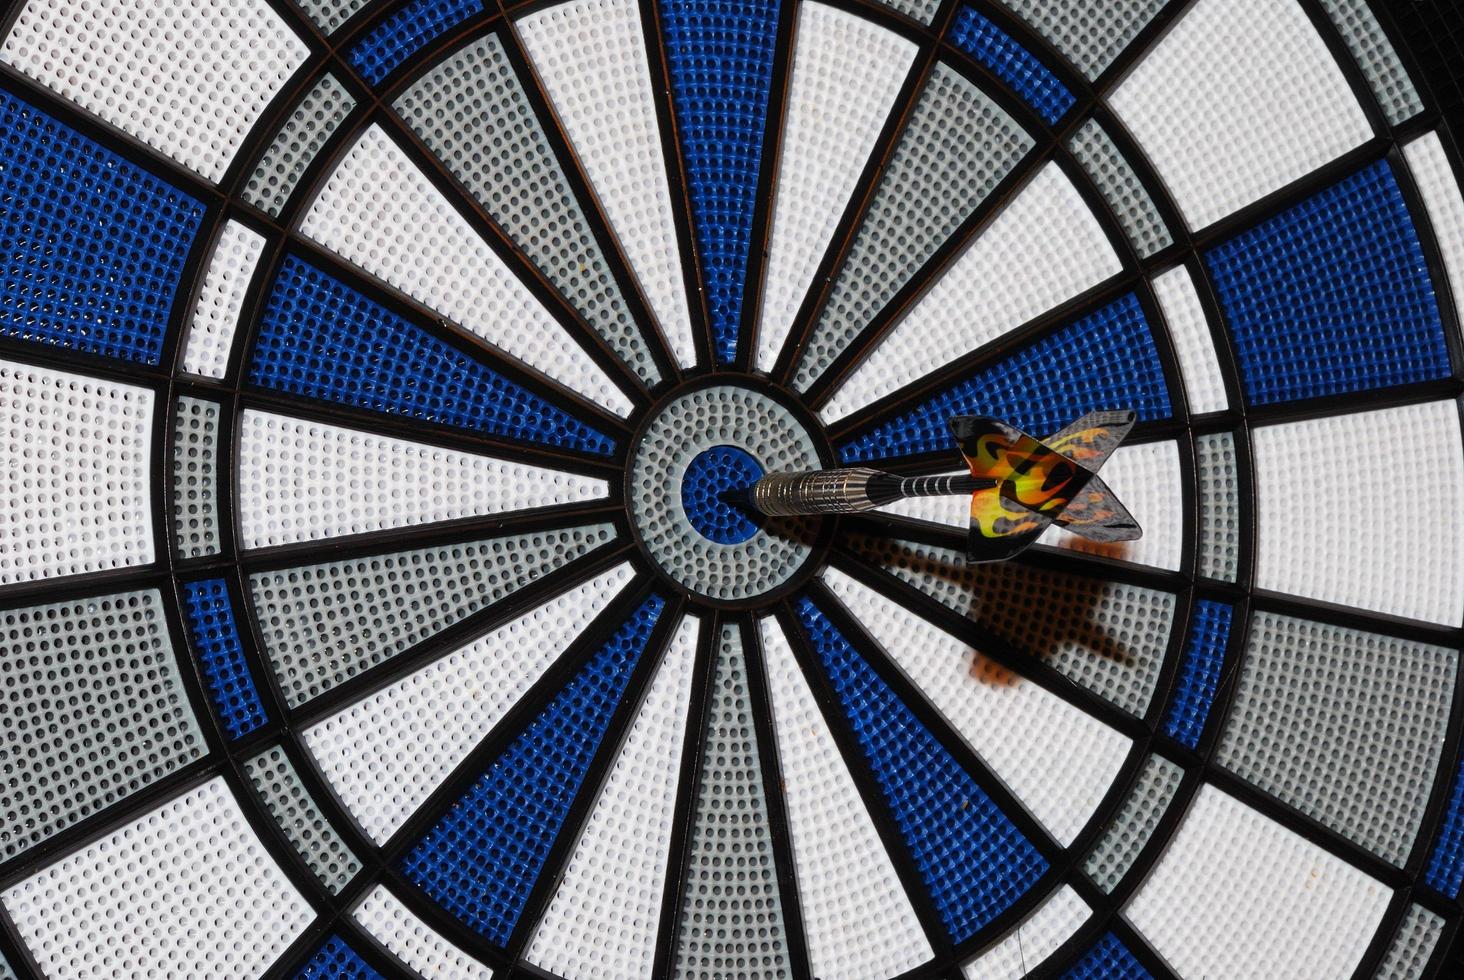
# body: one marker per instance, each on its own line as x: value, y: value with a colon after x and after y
x: 1412, y: 947
x: 318, y: 843
x: 723, y: 415
x: 1134, y: 824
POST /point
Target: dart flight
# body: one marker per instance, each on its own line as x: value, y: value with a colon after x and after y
x: 1019, y: 485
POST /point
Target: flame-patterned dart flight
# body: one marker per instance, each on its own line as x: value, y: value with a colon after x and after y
x: 1018, y: 484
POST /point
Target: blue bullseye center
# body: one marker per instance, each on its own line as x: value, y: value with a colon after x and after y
x: 710, y: 474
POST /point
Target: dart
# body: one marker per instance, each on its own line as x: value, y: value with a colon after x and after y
x: 1019, y: 485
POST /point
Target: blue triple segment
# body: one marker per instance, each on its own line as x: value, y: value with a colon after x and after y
x: 1445, y: 871
x: 215, y: 634
x: 1029, y: 78
x: 1332, y: 296
x: 92, y: 247
x: 483, y: 857
x: 1108, y: 959
x: 337, y: 961
x: 397, y: 38
x: 1104, y: 361
x: 975, y: 862
x: 321, y: 338
x: 719, y: 54
x: 1199, y: 672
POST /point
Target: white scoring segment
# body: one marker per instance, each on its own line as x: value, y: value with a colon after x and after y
x: 1045, y: 247
x: 75, y: 474
x: 591, y: 57
x: 847, y: 72
x: 189, y: 78
x: 1365, y: 510
x: 1239, y: 99
x: 604, y: 917
x: 413, y: 941
x: 1189, y: 330
x: 1034, y: 939
x: 858, y: 921
x: 380, y: 212
x: 304, y: 481
x: 386, y: 753
x: 1054, y: 758
x: 216, y: 314
x: 1439, y: 189
x: 1238, y: 895
x: 187, y: 887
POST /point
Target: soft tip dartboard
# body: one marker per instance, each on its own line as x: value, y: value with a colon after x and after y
x: 372, y: 375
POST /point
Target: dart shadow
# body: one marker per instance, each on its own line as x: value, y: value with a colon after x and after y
x: 1052, y: 617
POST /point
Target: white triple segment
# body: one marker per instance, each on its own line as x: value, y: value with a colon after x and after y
x: 1056, y: 759
x: 303, y: 481
x: 1238, y: 895
x: 187, y: 77
x: 381, y: 213
x: 414, y: 942
x: 858, y: 921
x: 1189, y: 330
x: 1363, y: 537
x: 603, y: 919
x: 1239, y: 99
x: 1439, y: 188
x: 1146, y: 478
x: 216, y: 315
x: 185, y: 890
x: 1045, y: 247
x: 1034, y: 939
x: 847, y: 72
x: 386, y: 753
x: 591, y: 57
x: 75, y: 474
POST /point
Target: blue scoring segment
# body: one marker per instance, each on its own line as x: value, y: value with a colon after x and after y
x: 92, y: 247
x: 1108, y: 959
x: 406, y: 32
x: 1199, y: 672
x: 1104, y: 361
x: 973, y: 859
x: 321, y: 338
x: 216, y: 640
x: 337, y: 961
x: 1332, y: 296
x: 483, y: 857
x: 719, y: 54
x: 994, y: 48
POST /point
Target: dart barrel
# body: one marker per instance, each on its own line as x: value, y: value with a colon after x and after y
x: 841, y: 491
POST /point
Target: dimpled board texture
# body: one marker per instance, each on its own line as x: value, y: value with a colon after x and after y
x: 472, y: 111
x: 318, y: 843
x: 95, y: 711
x: 324, y: 624
x: 1344, y: 725
x: 1133, y: 825
x: 383, y: 915
x: 731, y: 909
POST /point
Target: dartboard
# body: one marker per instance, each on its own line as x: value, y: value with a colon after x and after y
x: 381, y: 380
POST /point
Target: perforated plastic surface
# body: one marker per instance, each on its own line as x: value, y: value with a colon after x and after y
x: 731, y: 921
x: 185, y: 887
x: 318, y: 843
x: 79, y: 219
x: 846, y: 74
x: 955, y: 149
x: 1344, y: 725
x: 371, y: 375
x: 1133, y: 825
x: 95, y: 711
x: 1002, y: 55
x: 473, y: 112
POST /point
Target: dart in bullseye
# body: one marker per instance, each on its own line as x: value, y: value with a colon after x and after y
x: 1019, y: 485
